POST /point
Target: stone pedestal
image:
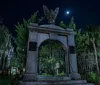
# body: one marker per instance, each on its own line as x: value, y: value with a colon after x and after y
x: 30, y: 77
x: 57, y: 82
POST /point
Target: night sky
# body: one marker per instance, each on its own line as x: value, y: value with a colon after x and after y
x: 86, y: 12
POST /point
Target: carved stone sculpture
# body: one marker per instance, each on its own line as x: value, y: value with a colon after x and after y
x: 50, y: 14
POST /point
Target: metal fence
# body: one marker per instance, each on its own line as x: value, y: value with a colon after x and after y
x: 86, y: 66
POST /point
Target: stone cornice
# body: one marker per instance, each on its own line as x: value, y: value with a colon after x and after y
x: 50, y: 29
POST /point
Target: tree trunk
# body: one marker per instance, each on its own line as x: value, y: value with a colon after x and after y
x: 95, y: 53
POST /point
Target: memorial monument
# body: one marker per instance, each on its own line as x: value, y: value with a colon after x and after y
x: 40, y: 33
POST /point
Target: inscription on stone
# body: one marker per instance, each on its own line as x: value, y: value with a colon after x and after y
x: 72, y: 49
x: 32, y: 46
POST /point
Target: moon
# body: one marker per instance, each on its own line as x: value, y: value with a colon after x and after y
x: 67, y: 12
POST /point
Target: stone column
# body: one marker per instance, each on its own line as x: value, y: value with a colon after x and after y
x: 72, y: 57
x: 32, y: 54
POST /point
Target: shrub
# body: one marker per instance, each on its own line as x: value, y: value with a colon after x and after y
x: 93, y: 77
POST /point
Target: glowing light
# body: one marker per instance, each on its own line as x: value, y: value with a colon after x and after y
x: 67, y: 12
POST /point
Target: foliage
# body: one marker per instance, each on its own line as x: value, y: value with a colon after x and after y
x: 72, y: 25
x: 22, y: 38
x: 6, y: 48
x: 93, y: 77
x: 15, y: 62
x: 94, y: 38
x: 87, y: 45
x: 80, y: 38
x: 87, y: 49
x: 5, y: 80
x: 9, y: 80
x: 63, y: 25
x: 51, y: 58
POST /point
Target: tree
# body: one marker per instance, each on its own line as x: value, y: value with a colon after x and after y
x: 6, y: 48
x: 63, y: 25
x: 85, y: 40
x: 79, y: 37
x: 72, y: 25
x: 82, y: 48
x: 81, y: 43
x: 22, y: 38
x: 94, y: 38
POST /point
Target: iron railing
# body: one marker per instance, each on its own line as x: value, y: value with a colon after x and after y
x: 86, y: 66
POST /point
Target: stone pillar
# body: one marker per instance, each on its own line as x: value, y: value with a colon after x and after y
x: 72, y: 57
x: 32, y: 54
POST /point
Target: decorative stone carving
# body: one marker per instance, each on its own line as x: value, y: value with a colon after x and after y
x: 50, y: 14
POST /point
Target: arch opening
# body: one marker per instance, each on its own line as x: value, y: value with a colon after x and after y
x: 51, y: 58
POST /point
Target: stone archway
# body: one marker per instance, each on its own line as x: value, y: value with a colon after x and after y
x: 40, y: 33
